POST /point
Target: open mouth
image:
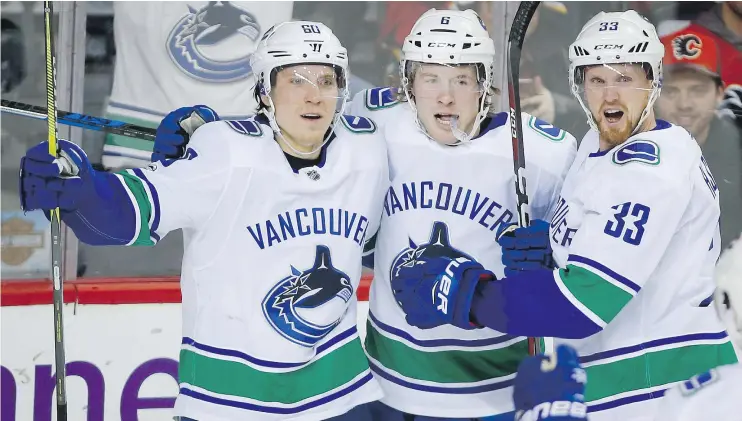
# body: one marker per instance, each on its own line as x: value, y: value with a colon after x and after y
x: 612, y: 115
x: 445, y: 119
x: 311, y: 116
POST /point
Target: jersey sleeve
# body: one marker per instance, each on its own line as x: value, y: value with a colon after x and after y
x: 182, y: 193
x: 624, y: 232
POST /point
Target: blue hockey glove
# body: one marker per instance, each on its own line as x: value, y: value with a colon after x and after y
x: 438, y: 290
x: 551, y: 387
x: 47, y: 182
x: 526, y: 248
x: 175, y: 130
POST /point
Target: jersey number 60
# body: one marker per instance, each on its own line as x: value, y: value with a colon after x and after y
x: 617, y: 227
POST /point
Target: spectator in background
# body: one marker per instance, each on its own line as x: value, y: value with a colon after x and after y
x: 723, y: 23
x: 544, y: 90
x: 691, y: 94
x: 398, y: 20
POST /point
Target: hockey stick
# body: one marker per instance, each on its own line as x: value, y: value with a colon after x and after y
x: 56, y: 223
x: 80, y: 120
x: 515, y: 44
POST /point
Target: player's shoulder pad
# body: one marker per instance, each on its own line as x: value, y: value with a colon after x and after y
x: 248, y: 127
x: 642, y: 151
x: 357, y: 124
x: 544, y: 129
x: 670, y: 149
x: 380, y: 98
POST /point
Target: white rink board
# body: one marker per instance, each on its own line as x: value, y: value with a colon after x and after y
x: 127, y: 353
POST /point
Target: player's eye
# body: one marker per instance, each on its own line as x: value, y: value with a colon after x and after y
x: 596, y: 81
x: 625, y: 79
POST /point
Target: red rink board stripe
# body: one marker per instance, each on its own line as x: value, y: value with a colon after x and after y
x: 109, y: 291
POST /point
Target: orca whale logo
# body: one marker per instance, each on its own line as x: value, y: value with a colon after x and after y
x: 208, y: 26
x: 438, y: 245
x: 306, y: 305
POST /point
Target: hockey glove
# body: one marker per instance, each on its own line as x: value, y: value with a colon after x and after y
x: 175, y: 130
x: 550, y: 387
x: 527, y: 248
x: 47, y: 182
x: 438, y: 290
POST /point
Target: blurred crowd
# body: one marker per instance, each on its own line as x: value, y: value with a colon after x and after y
x: 126, y: 78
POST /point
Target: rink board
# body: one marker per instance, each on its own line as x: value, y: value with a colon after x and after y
x: 122, y: 340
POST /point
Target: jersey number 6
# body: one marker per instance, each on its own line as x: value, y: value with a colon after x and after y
x: 617, y: 227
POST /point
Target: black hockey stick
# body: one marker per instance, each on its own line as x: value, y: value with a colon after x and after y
x: 515, y: 45
x: 80, y: 120
x: 56, y: 223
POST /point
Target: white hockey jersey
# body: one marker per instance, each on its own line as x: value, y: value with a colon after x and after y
x: 450, y: 201
x: 636, y: 235
x: 270, y: 271
x: 713, y: 395
x: 170, y: 54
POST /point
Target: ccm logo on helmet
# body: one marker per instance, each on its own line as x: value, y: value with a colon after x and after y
x: 609, y: 47
x: 441, y: 44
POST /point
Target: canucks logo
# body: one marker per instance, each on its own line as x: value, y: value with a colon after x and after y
x: 211, y: 28
x: 438, y: 245
x: 306, y: 305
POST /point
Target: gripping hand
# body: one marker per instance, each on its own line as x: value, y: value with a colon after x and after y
x: 47, y: 182
x: 438, y: 290
x: 551, y: 387
x: 526, y: 248
x: 175, y: 130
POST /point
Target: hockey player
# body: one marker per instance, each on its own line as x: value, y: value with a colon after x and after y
x: 452, y: 186
x: 275, y: 212
x: 635, y: 235
x: 552, y: 388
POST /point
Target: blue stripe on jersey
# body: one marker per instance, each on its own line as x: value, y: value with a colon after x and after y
x: 430, y: 343
x: 599, y: 266
x: 278, y: 410
x: 652, y: 344
x: 155, y: 204
x: 265, y: 363
x: 452, y: 390
x: 625, y: 401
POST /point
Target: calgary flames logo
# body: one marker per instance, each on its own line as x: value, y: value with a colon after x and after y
x: 687, y: 47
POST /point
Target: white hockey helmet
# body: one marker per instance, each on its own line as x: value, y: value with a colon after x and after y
x: 612, y: 38
x: 296, y: 43
x: 450, y: 37
x: 728, y: 295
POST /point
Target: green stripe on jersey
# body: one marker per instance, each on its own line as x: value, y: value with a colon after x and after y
x: 138, y: 190
x: 454, y: 366
x: 130, y: 142
x: 600, y: 296
x: 655, y: 369
x: 334, y: 369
